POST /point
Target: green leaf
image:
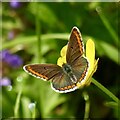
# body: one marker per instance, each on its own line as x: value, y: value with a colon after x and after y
x: 45, y: 14
x: 26, y: 113
x: 49, y: 98
x: 111, y: 104
x: 110, y: 51
x: 31, y: 39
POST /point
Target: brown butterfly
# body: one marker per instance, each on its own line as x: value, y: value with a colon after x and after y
x: 64, y: 79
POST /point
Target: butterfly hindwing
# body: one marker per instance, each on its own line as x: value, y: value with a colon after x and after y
x: 62, y: 83
x: 80, y: 68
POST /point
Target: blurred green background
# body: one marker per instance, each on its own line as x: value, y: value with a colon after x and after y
x: 24, y: 96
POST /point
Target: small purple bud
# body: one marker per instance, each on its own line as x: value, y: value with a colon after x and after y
x: 15, y: 3
x: 5, y: 81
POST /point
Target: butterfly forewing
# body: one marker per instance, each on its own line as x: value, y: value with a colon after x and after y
x: 74, y: 57
x: 44, y: 71
x: 75, y: 46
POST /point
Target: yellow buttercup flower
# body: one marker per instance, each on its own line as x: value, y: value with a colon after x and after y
x: 90, y: 55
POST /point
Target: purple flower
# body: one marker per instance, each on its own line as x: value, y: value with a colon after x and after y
x: 5, y: 81
x: 4, y: 54
x: 15, y: 3
x: 13, y: 60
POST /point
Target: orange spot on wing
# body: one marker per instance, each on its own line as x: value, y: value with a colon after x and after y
x: 36, y: 73
x: 83, y: 75
x: 67, y: 87
x: 78, y: 35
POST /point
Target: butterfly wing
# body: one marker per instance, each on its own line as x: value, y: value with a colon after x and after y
x: 80, y: 68
x: 43, y: 71
x: 74, y: 56
x: 75, y: 46
x: 60, y: 81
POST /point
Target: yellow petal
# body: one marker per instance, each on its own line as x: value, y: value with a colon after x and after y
x: 59, y: 61
x: 62, y: 59
x: 90, y: 74
x: 90, y: 53
x: 63, y: 51
x: 95, y: 65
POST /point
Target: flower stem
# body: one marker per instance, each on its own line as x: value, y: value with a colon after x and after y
x: 17, y: 104
x: 105, y: 90
x: 34, y: 112
x: 87, y: 105
x: 38, y: 31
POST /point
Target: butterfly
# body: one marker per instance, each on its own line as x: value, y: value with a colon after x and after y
x: 64, y: 79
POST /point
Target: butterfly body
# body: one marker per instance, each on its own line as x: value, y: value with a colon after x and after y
x: 68, y: 71
x: 64, y: 78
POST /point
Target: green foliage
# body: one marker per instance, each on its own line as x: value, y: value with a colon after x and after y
x: 39, y: 31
